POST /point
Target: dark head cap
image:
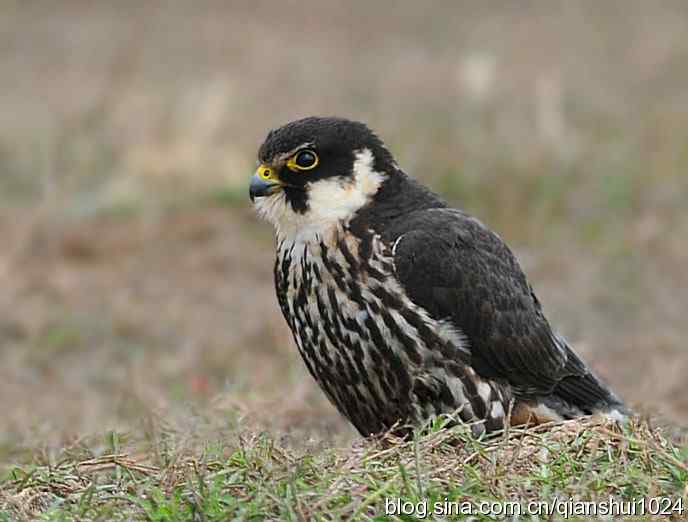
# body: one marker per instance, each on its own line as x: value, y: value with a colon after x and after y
x: 332, y: 138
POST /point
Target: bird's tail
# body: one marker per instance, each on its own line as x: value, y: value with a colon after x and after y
x: 583, y: 393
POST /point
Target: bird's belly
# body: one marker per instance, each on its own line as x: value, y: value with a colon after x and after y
x: 380, y: 359
x: 337, y: 348
x: 380, y: 371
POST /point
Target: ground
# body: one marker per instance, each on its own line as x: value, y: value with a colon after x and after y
x: 137, y: 307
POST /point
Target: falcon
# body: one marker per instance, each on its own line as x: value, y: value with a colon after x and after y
x: 401, y: 307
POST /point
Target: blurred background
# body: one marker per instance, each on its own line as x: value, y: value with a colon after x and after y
x: 136, y: 282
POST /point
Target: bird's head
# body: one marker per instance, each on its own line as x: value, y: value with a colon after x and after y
x: 316, y: 172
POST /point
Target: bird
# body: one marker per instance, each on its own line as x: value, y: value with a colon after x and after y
x: 403, y: 308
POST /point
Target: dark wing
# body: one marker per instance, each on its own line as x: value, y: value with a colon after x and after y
x: 453, y: 266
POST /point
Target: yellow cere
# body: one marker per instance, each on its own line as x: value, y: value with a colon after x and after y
x: 266, y: 172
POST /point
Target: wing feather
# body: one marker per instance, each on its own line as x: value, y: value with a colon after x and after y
x: 459, y: 271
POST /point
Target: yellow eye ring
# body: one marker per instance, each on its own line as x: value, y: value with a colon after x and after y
x: 266, y: 172
x: 305, y: 159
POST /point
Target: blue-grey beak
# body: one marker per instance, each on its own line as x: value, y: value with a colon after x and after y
x: 263, y: 183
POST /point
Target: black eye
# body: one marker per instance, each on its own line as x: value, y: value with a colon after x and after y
x: 306, y: 159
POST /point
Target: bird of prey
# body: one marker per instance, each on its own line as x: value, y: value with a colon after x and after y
x: 403, y: 308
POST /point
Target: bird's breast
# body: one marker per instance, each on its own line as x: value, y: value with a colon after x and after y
x: 378, y: 356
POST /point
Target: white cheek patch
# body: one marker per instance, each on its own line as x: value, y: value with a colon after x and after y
x: 274, y: 208
x: 330, y: 203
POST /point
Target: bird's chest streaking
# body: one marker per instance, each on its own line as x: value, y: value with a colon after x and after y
x: 379, y: 358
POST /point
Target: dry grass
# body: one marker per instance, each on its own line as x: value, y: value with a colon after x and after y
x: 254, y: 476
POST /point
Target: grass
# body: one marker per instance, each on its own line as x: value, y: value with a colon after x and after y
x: 136, y: 281
x: 254, y: 476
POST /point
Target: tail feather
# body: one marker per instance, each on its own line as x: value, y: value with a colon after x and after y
x: 583, y: 393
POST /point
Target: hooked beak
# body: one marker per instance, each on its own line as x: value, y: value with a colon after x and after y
x: 264, y: 183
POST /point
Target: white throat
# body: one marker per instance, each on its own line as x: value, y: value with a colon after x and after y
x: 331, y: 202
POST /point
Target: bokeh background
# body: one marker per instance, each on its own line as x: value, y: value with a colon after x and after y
x: 136, y: 283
